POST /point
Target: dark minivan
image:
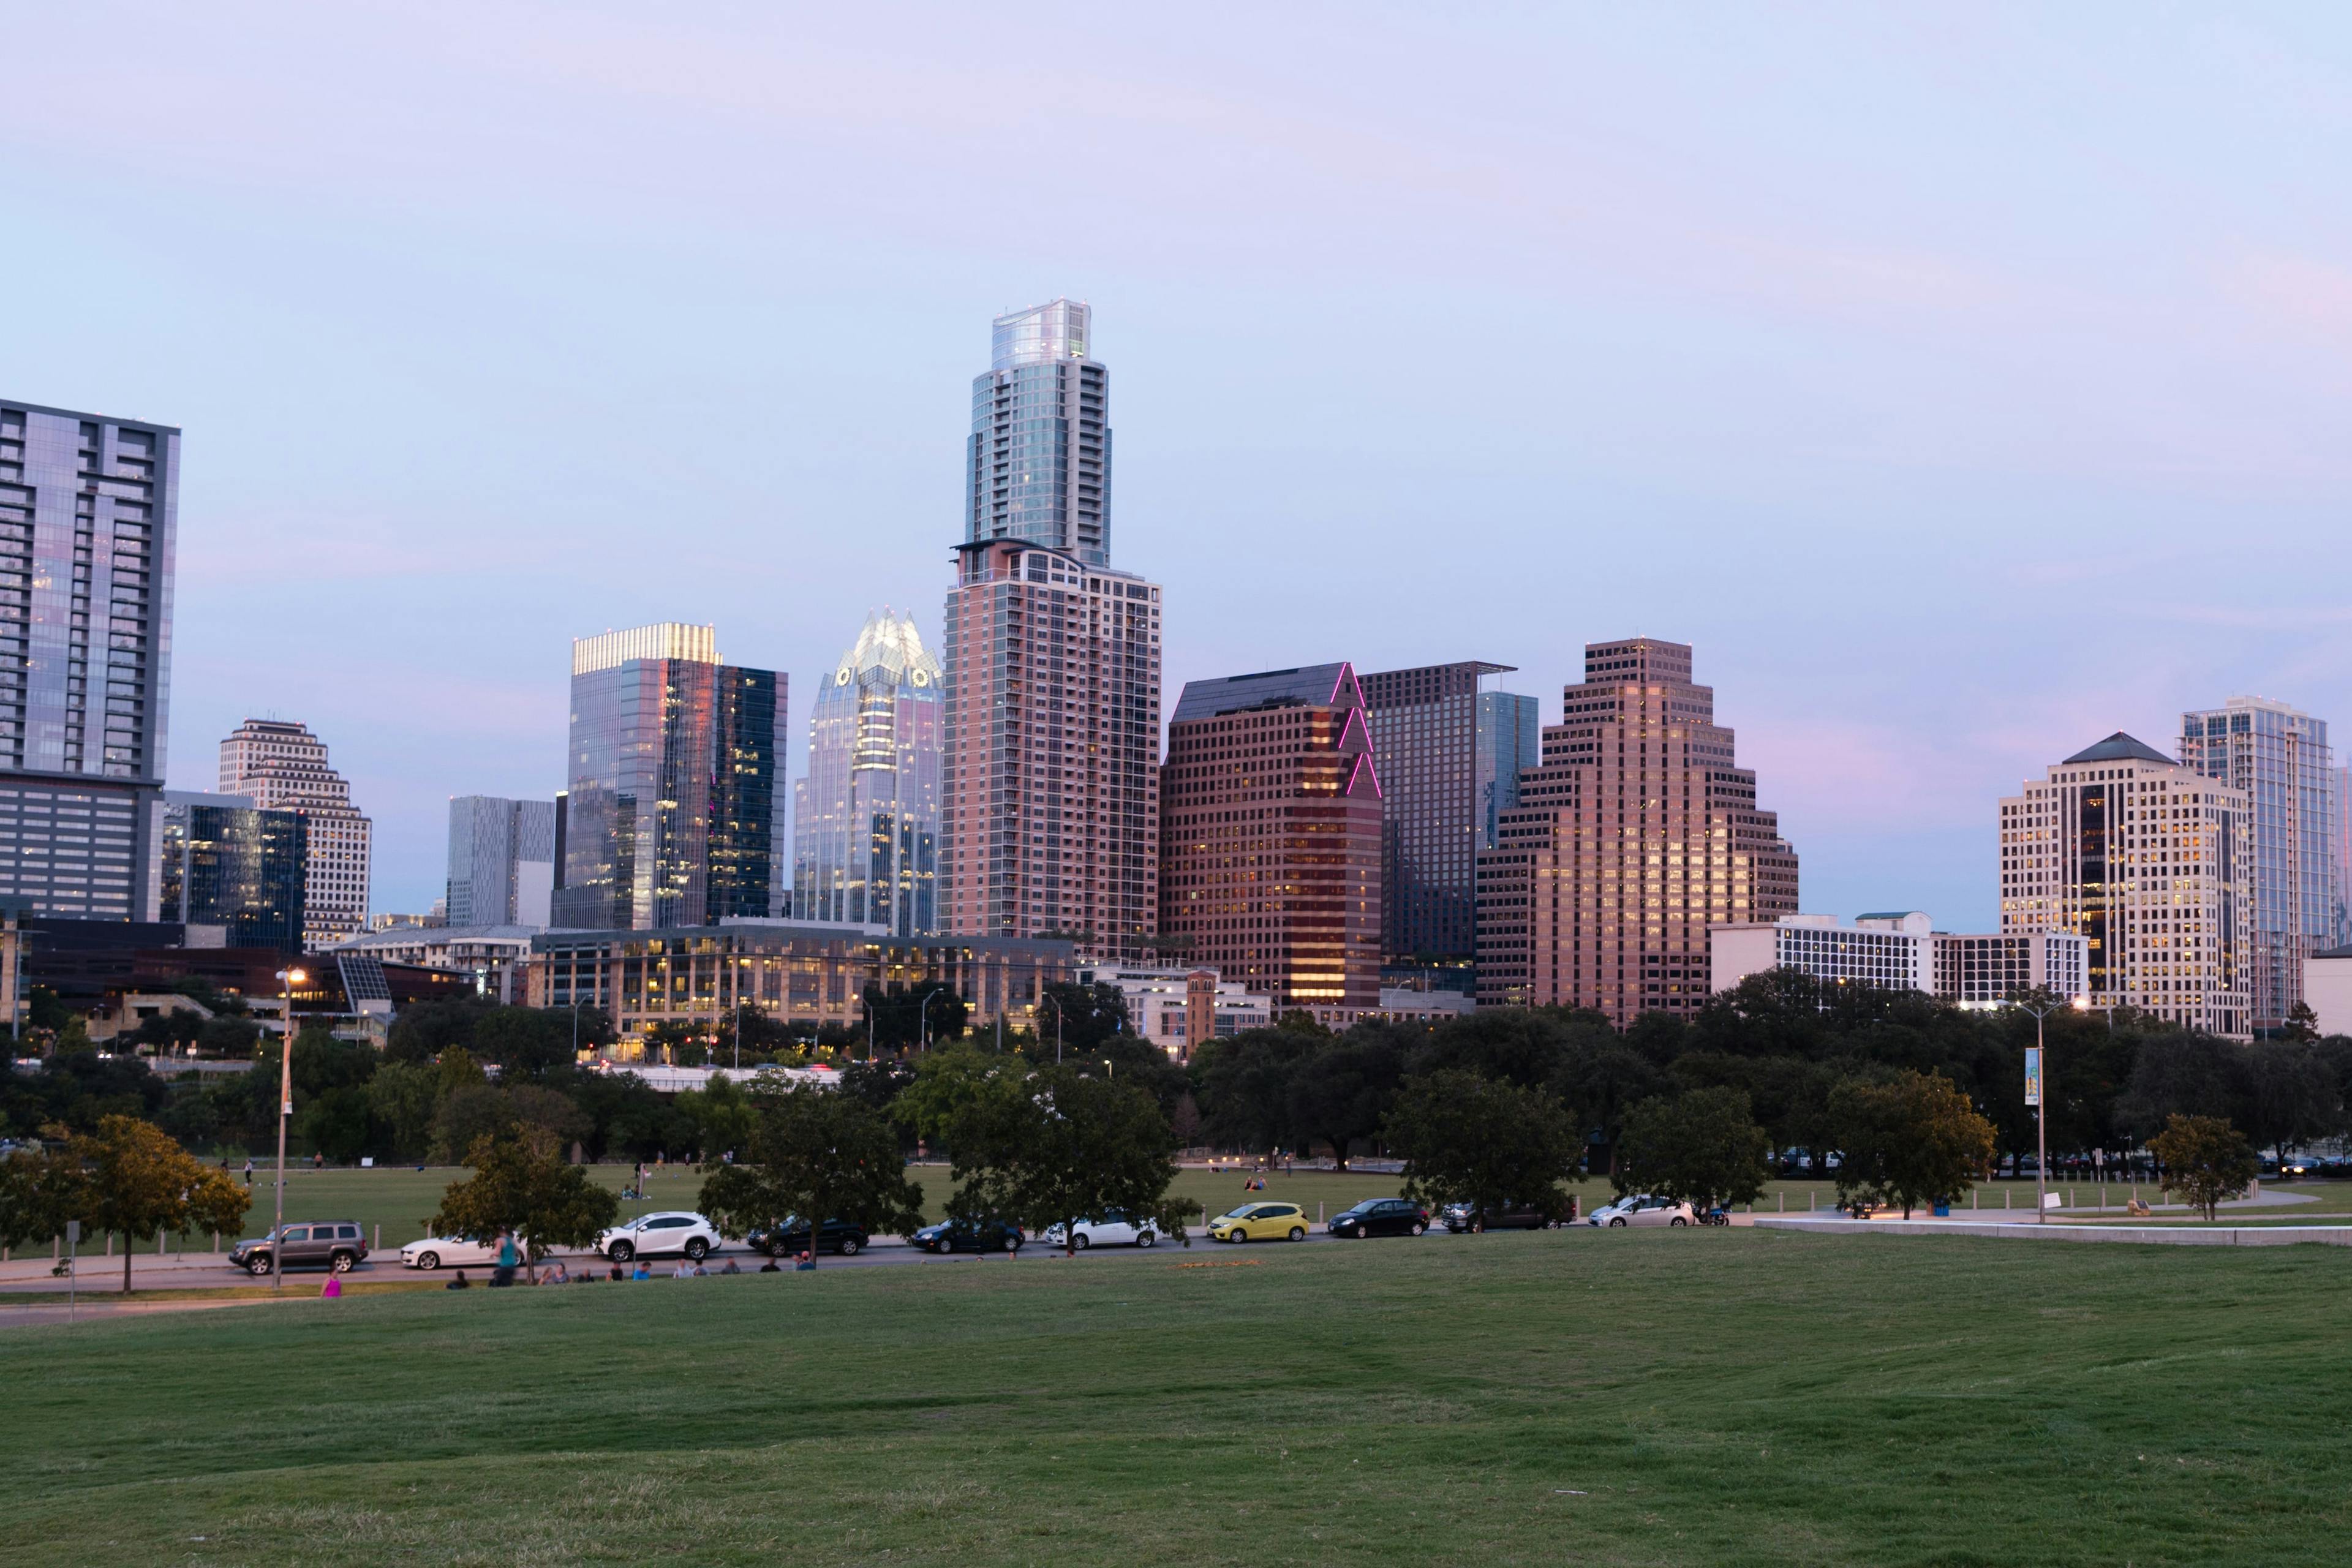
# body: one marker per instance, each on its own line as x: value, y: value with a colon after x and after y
x: 1379, y: 1216
x: 321, y: 1244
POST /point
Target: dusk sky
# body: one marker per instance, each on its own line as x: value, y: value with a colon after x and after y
x: 1966, y: 383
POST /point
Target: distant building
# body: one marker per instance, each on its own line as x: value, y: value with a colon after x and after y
x: 2148, y: 861
x: 492, y: 955
x: 284, y: 767
x: 1412, y: 1005
x: 2279, y: 756
x: 1176, y: 1006
x: 88, y: 517
x: 228, y: 864
x: 865, y: 819
x: 501, y: 861
x: 1451, y: 754
x: 1270, y: 837
x: 672, y: 816
x: 1899, y: 951
x: 2328, y: 987
x: 2339, y: 835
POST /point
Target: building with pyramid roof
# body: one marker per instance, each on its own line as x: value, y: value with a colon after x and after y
x: 866, y: 817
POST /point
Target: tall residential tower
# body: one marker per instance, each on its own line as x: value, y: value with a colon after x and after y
x: 284, y: 767
x: 866, y: 817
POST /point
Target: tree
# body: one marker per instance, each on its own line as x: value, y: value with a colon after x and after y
x: 464, y: 1115
x: 521, y: 1183
x: 526, y: 1042
x: 815, y: 1155
x: 400, y: 1097
x: 946, y: 1083
x: 1055, y: 1146
x: 38, y: 1189
x: 1913, y: 1141
x: 1244, y: 1084
x: 1702, y: 1146
x: 722, y: 1116
x: 1472, y: 1139
x: 2290, y: 1095
x: 2302, y: 1025
x: 1341, y: 1095
x: 2204, y: 1159
x: 130, y: 1176
x: 426, y: 1030
x: 1088, y: 1015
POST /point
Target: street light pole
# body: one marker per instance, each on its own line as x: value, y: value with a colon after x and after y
x: 286, y: 980
x: 923, y: 1019
x: 2041, y: 1004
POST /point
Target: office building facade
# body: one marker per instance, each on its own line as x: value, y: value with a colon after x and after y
x: 1270, y: 838
x: 1451, y: 753
x: 2146, y: 861
x: 866, y: 817
x: 1051, y: 719
x: 228, y: 863
x: 501, y: 862
x: 284, y: 767
x: 672, y: 815
x: 2279, y: 757
x: 88, y: 519
x: 1639, y: 831
x: 1900, y: 950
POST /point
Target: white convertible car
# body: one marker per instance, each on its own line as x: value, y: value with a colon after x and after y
x: 453, y: 1252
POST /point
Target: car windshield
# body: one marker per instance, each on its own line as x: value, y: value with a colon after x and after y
x: 1242, y: 1213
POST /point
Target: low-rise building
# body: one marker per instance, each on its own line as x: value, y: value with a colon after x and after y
x: 2327, y: 988
x: 1177, y: 1007
x: 492, y: 955
x: 1900, y: 950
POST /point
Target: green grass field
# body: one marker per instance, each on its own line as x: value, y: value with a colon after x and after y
x: 1635, y: 1397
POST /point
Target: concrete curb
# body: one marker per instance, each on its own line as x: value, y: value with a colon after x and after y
x: 2160, y: 1235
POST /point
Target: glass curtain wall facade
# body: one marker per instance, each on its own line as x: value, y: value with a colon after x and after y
x: 89, y: 517
x: 1037, y: 469
x: 2279, y: 756
x: 865, y: 819
x: 225, y: 863
x: 501, y: 860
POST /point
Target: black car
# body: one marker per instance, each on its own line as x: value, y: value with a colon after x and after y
x: 970, y: 1236
x: 839, y: 1236
x: 1460, y: 1217
x: 338, y: 1246
x: 1379, y: 1216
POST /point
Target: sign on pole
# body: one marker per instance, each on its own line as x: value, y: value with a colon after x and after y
x: 2033, y: 1075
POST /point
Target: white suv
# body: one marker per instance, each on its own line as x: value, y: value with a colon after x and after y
x: 1644, y: 1209
x: 649, y: 1236
x: 1112, y: 1229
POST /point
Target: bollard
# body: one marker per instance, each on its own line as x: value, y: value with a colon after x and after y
x: 109, y: 1243
x: 216, y: 1241
x: 379, y: 1237
x: 2005, y: 1197
x: 1784, y: 1202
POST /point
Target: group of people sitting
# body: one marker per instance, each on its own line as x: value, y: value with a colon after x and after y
x: 687, y: 1268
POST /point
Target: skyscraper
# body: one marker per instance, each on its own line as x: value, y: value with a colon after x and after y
x: 1052, y: 713
x: 1638, y: 832
x: 2279, y: 756
x: 501, y: 861
x: 865, y: 819
x: 226, y: 863
x: 1451, y: 754
x: 2339, y: 834
x: 2148, y: 860
x: 1270, y: 837
x: 284, y: 768
x: 89, y: 514
x: 672, y: 814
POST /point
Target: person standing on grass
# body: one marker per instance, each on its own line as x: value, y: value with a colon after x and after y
x: 505, y: 1275
x: 333, y: 1290
x: 248, y: 1170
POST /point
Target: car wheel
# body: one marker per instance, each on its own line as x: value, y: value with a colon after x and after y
x: 1080, y: 1241
x: 1238, y: 1236
x: 620, y: 1252
x: 428, y: 1261
x: 1297, y: 1233
x: 697, y: 1248
x: 1011, y: 1243
x: 343, y: 1262
x: 1147, y: 1238
x: 1678, y: 1220
x: 259, y: 1267
x: 851, y: 1247
x: 1617, y: 1224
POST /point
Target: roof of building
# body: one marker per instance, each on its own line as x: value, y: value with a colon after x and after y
x: 2333, y: 952
x: 1887, y: 914
x: 2119, y: 747
x: 1311, y: 686
x: 434, y: 936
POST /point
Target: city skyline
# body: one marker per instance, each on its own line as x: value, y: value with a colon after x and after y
x: 1931, y: 402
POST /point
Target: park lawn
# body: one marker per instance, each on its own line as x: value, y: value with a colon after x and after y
x: 1633, y: 1397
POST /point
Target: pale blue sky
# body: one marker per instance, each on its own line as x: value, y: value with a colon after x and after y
x: 1966, y: 383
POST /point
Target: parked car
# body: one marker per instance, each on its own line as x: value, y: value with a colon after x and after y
x: 970, y: 1236
x: 1460, y: 1217
x: 321, y: 1244
x: 793, y: 1236
x: 455, y: 1251
x: 1113, y: 1229
x: 1379, y: 1216
x: 1642, y: 1208
x: 650, y: 1236
x: 1260, y: 1221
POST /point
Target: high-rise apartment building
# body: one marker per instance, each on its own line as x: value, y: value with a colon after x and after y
x: 1051, y: 723
x: 2339, y: 835
x: 501, y: 861
x: 1451, y: 753
x: 672, y: 816
x: 226, y: 863
x: 2278, y: 756
x: 89, y: 513
x: 866, y: 817
x: 2147, y: 860
x: 1270, y: 837
x: 1638, y: 832
x: 284, y: 767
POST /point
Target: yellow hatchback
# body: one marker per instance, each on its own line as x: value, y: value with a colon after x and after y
x: 1260, y: 1221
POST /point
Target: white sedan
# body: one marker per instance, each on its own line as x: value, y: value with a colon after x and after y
x: 453, y: 1252
x: 649, y: 1235
x: 1111, y: 1230
x: 1642, y: 1208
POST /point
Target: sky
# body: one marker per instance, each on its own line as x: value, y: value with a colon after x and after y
x: 1965, y: 381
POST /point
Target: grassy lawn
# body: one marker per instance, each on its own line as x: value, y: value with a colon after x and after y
x: 1639, y: 1397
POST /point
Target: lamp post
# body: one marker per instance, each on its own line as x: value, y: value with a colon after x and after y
x: 1056, y: 1001
x: 286, y: 980
x: 2040, y: 1005
x: 923, y: 1019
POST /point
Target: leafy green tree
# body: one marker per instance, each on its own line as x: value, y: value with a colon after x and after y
x: 336, y: 1124
x: 464, y: 1116
x: 1088, y: 1017
x: 2205, y: 1160
x: 531, y: 1042
x: 2290, y: 1095
x: 424, y: 1031
x: 1916, y: 1141
x: 815, y: 1155
x: 1341, y: 1095
x: 228, y: 1039
x: 131, y: 1177
x: 457, y: 1069
x: 1472, y: 1139
x: 523, y: 1184
x: 1246, y: 1083
x: 722, y: 1116
x: 1054, y: 1146
x: 946, y: 1082
x: 1598, y: 1079
x: 401, y: 1098
x: 1702, y: 1146
x: 2302, y: 1025
x: 40, y: 1189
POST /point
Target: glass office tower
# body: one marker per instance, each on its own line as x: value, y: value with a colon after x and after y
x: 501, y: 860
x: 2279, y: 756
x: 865, y: 821
x: 1037, y: 471
x: 89, y: 511
x: 227, y: 864
x: 670, y: 818
x: 1451, y: 754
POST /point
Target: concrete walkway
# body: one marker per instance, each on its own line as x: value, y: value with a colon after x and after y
x: 2026, y: 1229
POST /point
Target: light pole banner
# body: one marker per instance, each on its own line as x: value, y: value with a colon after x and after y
x: 2033, y: 1075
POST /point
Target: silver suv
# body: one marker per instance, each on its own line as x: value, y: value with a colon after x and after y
x: 321, y: 1244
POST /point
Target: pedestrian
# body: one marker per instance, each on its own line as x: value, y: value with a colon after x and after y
x: 248, y: 1170
x: 507, y: 1260
x: 458, y: 1283
x: 333, y: 1290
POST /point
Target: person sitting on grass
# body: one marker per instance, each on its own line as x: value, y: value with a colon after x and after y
x: 730, y: 1268
x: 458, y: 1283
x: 770, y: 1266
x: 642, y: 1271
x: 561, y: 1276
x: 685, y: 1270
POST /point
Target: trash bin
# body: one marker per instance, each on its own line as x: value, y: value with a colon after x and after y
x: 1943, y: 1211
